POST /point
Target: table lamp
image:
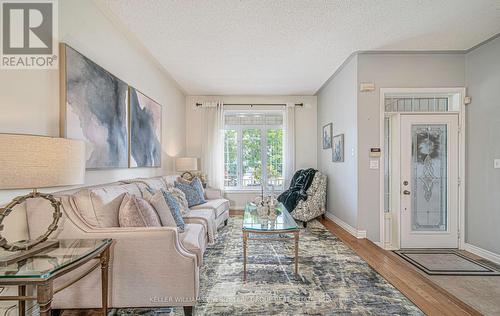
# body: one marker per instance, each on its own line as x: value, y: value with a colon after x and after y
x: 186, y: 165
x: 33, y: 162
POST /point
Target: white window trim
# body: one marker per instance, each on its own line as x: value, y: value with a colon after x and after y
x: 263, y: 149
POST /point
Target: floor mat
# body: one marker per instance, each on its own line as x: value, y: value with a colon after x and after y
x: 445, y: 262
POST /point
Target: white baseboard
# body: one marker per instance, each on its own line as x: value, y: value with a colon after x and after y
x: 351, y: 230
x: 486, y: 254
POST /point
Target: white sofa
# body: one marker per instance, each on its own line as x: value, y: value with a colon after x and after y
x: 150, y: 266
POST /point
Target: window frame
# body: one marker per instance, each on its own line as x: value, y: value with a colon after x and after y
x: 263, y: 149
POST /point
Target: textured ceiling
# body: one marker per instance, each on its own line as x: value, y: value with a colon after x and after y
x: 271, y: 47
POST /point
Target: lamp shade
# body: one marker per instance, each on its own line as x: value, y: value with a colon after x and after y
x: 186, y: 163
x: 31, y: 162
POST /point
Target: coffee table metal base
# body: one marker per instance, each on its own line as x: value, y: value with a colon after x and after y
x: 246, y: 238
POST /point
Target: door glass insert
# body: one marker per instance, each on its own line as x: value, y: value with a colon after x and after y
x: 429, y: 177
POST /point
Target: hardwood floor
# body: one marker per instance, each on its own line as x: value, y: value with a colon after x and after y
x: 429, y: 297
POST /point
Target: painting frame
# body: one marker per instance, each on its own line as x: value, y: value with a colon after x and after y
x: 106, y: 134
x: 338, y: 148
x: 326, y: 135
x: 149, y: 102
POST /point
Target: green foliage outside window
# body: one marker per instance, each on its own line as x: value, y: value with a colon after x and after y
x: 251, y: 156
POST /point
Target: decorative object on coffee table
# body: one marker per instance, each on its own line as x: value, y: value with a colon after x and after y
x: 266, y: 206
x: 31, y: 162
x: 40, y: 270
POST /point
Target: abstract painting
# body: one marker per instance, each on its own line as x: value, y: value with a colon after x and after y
x: 327, y: 136
x: 338, y: 148
x: 94, y: 109
x: 145, y: 130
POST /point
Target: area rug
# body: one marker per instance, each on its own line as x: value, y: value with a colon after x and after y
x: 332, y: 279
x: 445, y: 262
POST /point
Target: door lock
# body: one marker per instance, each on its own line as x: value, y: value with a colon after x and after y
x: 406, y: 192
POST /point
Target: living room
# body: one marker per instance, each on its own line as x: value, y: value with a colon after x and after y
x: 250, y: 157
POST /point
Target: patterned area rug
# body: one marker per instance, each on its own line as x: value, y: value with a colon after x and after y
x: 333, y: 279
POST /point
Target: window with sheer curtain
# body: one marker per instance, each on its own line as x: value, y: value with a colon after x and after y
x: 253, y: 150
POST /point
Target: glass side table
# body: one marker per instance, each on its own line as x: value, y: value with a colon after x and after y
x: 42, y: 268
x: 284, y: 223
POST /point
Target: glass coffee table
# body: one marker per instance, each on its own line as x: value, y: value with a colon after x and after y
x: 254, y: 224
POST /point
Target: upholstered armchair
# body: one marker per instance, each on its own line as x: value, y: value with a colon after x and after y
x: 315, y: 205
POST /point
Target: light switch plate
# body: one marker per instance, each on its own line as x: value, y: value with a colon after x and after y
x: 496, y: 163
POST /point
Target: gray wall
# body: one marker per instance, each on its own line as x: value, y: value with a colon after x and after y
x: 392, y: 70
x: 337, y: 103
x: 353, y: 193
x: 483, y: 145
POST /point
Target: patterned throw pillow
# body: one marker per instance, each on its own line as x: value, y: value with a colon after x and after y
x: 137, y: 212
x: 175, y: 209
x: 181, y: 199
x: 193, y: 191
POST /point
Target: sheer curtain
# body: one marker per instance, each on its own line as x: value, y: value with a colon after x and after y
x: 289, y: 143
x: 212, y: 159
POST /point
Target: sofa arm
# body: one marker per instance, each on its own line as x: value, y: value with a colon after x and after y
x: 213, y: 194
x: 157, y: 241
x: 145, y: 263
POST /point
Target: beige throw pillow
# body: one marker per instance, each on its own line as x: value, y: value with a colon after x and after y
x: 157, y: 200
x: 137, y: 212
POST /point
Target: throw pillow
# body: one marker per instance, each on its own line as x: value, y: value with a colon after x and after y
x: 195, y: 178
x: 193, y: 191
x: 181, y: 199
x: 137, y: 212
x: 175, y: 209
x: 157, y: 200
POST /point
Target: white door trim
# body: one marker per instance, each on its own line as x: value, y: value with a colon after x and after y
x: 461, y: 147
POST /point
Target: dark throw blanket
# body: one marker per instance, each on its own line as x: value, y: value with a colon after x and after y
x: 301, y: 181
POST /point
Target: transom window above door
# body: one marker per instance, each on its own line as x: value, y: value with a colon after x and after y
x: 253, y: 150
x: 421, y: 102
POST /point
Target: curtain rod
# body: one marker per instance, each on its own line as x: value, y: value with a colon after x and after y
x: 255, y: 104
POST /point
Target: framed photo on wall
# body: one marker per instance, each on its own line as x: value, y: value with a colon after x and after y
x: 338, y: 148
x: 327, y: 136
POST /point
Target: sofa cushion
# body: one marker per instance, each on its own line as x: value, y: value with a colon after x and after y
x: 137, y: 212
x: 193, y: 191
x: 194, y: 240
x: 169, y: 180
x: 132, y: 188
x: 152, y: 183
x: 156, y: 183
x: 84, y: 207
x: 157, y: 200
x: 206, y: 217
x: 218, y: 205
x: 106, y: 202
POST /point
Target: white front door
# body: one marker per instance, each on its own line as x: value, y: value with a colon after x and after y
x: 429, y: 181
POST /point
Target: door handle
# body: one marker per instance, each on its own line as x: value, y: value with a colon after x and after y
x: 406, y: 192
